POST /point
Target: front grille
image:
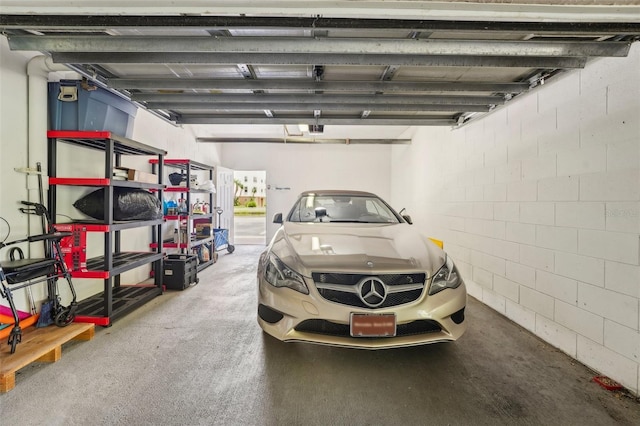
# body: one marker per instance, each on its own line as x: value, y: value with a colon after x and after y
x: 401, y: 288
x: 353, y: 279
x: 329, y: 328
x: 353, y: 299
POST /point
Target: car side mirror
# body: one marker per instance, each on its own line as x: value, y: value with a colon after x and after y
x: 277, y: 218
x: 406, y: 217
x: 320, y: 212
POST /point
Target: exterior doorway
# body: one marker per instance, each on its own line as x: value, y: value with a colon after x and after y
x: 249, y: 207
x: 224, y: 201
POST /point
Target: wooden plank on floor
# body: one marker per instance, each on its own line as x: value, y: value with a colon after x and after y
x: 38, y: 344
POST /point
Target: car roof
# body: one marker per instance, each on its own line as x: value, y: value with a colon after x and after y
x: 333, y: 192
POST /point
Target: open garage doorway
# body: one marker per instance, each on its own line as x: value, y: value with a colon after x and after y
x: 249, y: 206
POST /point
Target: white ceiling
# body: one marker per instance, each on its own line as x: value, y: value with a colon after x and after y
x: 369, y: 69
x: 492, y: 10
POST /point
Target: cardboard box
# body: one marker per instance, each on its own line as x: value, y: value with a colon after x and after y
x: 204, y: 230
x: 137, y: 175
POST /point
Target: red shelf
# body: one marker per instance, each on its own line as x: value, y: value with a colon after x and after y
x: 184, y: 216
x: 85, y: 273
x: 79, y: 134
x: 187, y: 167
x: 89, y: 227
x: 116, y: 300
x: 169, y: 245
x: 183, y: 163
x: 170, y: 161
x: 80, y: 181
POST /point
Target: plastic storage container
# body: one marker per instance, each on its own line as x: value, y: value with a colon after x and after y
x: 73, y: 107
x: 180, y: 271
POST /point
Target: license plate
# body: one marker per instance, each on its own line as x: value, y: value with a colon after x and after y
x: 373, y: 325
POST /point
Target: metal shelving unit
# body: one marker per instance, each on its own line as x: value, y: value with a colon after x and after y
x: 187, y: 192
x: 116, y: 299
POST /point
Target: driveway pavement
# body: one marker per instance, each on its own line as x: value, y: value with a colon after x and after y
x: 250, y: 230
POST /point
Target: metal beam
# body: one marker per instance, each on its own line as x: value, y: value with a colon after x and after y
x: 296, y: 46
x: 312, y: 85
x: 250, y: 74
x: 296, y: 139
x: 85, y: 21
x: 326, y: 59
x: 416, y: 120
x: 301, y: 106
x: 312, y: 98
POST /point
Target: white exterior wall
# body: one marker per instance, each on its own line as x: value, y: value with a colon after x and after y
x: 251, y: 179
x: 14, y: 130
x: 539, y: 205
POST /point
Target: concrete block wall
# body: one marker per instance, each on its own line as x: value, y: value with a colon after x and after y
x: 539, y: 205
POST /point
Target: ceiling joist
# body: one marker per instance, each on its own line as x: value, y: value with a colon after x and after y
x: 312, y: 85
x: 91, y: 22
x: 253, y: 119
x: 285, y: 59
x: 310, y: 140
x: 312, y: 98
x: 296, y: 46
x: 257, y: 69
x: 302, y: 106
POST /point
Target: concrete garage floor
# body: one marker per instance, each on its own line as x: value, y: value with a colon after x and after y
x: 198, y: 357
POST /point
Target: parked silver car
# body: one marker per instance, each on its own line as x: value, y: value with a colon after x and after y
x: 345, y: 269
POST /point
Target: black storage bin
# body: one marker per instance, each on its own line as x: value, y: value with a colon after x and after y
x: 180, y: 271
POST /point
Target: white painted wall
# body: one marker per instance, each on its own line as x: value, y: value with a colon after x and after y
x: 13, y: 153
x: 14, y: 131
x: 294, y: 168
x: 539, y: 204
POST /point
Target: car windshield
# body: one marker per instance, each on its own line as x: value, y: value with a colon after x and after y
x: 342, y: 208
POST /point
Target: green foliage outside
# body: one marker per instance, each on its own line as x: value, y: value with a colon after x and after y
x: 249, y: 211
x: 238, y: 191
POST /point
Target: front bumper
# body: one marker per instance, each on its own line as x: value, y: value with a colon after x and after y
x: 291, y: 316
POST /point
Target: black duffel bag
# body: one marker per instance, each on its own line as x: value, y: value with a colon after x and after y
x: 128, y: 204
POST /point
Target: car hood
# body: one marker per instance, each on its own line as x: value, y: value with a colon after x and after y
x: 356, y: 248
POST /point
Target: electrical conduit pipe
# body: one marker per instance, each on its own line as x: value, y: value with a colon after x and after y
x: 38, y: 69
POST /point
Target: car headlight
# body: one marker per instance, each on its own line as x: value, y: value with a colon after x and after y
x: 446, y: 277
x: 280, y: 275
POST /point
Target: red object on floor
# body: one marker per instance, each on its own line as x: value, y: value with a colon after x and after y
x: 101, y: 321
x: 607, y: 383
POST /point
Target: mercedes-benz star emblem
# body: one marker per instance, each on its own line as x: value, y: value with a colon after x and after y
x: 372, y: 291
